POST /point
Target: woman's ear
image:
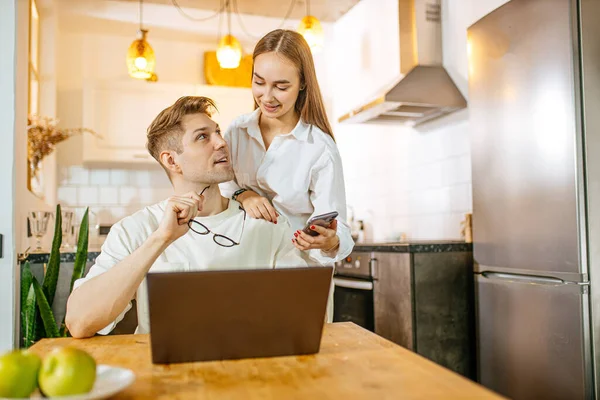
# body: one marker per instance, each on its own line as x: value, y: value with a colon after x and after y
x: 167, y: 159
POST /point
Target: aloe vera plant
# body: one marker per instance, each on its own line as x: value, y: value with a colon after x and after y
x: 37, y: 318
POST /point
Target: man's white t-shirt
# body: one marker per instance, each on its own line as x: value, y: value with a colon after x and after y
x: 262, y: 245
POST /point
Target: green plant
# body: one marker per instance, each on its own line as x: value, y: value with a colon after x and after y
x: 37, y: 318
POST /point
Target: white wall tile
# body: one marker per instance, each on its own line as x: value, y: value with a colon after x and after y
x: 109, y: 195
x: 99, y: 177
x: 140, y: 178
x: 460, y: 198
x: 128, y: 195
x: 62, y: 175
x: 78, y: 176
x: 119, y: 177
x: 147, y: 195
x: 117, y: 213
x: 87, y: 195
x: 67, y: 195
x: 159, y: 178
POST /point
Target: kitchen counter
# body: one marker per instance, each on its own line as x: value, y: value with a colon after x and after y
x: 65, y: 257
x: 440, y: 246
x: 353, y: 363
x: 380, y: 247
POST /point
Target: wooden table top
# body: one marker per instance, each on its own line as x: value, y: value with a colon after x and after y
x: 353, y: 363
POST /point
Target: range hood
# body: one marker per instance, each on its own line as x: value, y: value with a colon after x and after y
x: 425, y: 90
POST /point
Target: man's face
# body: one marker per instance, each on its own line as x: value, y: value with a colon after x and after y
x: 205, y: 157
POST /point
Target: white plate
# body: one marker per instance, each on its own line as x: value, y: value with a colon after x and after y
x: 109, y: 381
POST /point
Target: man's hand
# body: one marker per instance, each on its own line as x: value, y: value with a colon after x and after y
x: 327, y: 240
x: 178, y: 211
x: 258, y: 207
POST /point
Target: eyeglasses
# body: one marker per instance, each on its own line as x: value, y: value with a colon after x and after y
x: 221, y: 240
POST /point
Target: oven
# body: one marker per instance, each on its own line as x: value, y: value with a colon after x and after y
x: 353, y: 295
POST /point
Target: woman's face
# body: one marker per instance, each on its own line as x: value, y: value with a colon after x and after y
x: 275, y: 84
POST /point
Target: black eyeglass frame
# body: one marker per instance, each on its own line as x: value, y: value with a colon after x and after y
x: 218, y: 235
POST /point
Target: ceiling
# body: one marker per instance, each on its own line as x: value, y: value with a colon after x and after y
x: 324, y: 10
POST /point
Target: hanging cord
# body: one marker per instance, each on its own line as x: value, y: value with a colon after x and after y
x: 220, y: 21
x: 307, y: 7
x: 186, y: 15
x: 141, y: 15
x: 228, y: 4
x: 256, y: 37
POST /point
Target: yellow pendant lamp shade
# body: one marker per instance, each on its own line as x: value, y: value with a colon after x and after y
x: 311, y: 29
x: 229, y: 52
x: 140, y: 57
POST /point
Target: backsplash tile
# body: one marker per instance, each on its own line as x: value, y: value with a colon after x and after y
x: 111, y: 194
x: 99, y: 177
x: 400, y: 180
x: 119, y: 177
x: 78, y: 176
x: 128, y: 195
x: 67, y: 195
x: 87, y: 195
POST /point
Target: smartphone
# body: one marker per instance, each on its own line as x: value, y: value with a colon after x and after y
x: 323, y: 220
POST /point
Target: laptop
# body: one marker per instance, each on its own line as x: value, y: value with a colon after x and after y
x: 234, y: 314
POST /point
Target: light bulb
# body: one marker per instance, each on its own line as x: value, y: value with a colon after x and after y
x: 140, y: 58
x: 140, y: 63
x: 229, y: 52
x: 311, y: 29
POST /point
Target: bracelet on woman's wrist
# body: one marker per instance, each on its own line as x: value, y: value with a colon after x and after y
x: 336, y: 246
x: 237, y: 193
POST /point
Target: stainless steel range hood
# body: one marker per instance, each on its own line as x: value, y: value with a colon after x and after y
x: 425, y: 90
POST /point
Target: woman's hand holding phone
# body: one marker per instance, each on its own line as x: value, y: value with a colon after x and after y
x: 326, y: 240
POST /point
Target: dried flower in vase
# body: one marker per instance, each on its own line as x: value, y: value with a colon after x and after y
x: 42, y: 137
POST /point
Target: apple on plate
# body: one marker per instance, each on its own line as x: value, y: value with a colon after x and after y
x: 67, y: 371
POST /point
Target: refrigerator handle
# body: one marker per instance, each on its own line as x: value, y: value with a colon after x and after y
x: 373, y: 268
x: 537, y: 280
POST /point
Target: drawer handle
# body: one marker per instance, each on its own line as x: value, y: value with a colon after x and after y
x: 352, y: 284
x: 140, y: 155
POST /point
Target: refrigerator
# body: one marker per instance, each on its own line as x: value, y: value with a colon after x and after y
x: 534, y: 115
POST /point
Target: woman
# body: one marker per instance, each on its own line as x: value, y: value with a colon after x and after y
x: 284, y: 154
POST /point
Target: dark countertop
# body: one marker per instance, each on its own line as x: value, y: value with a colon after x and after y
x: 426, y: 246
x: 434, y: 246
x: 66, y: 257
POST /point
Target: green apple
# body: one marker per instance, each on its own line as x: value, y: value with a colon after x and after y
x: 67, y: 371
x: 18, y: 373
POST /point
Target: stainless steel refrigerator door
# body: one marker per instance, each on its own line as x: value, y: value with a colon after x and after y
x: 590, y: 64
x: 525, y: 142
x: 531, y: 338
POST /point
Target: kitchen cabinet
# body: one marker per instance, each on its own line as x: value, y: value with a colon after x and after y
x: 365, y: 57
x: 392, y: 296
x: 122, y: 111
x: 424, y: 302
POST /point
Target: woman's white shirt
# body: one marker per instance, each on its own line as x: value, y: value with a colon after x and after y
x: 300, y: 173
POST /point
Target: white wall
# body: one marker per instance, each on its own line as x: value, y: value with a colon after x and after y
x: 398, y: 179
x: 16, y: 200
x: 415, y: 181
x: 8, y: 262
x: 92, y: 44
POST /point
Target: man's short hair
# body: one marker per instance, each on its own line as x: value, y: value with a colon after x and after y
x: 165, y: 132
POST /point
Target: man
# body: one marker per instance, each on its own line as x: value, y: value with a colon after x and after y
x: 196, y: 229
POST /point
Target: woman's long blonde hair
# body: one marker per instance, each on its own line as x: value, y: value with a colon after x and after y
x: 292, y: 46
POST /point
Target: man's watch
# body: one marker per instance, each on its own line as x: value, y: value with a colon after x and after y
x: 237, y: 193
